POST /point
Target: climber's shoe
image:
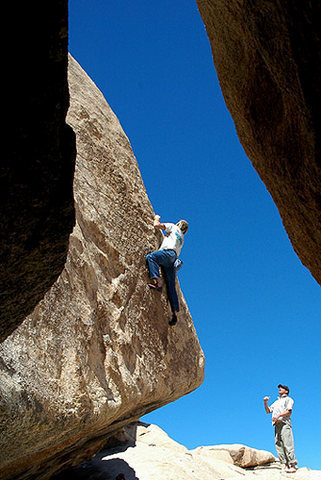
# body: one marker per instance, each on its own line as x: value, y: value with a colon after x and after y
x: 154, y: 286
x: 173, y: 320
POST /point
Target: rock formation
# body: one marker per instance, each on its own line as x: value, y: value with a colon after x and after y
x: 36, y: 173
x: 148, y: 453
x: 239, y: 455
x: 97, y: 352
x: 268, y: 59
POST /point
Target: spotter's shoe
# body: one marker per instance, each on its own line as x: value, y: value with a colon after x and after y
x: 291, y: 470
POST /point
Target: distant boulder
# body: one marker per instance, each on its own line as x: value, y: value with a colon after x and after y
x: 239, y: 455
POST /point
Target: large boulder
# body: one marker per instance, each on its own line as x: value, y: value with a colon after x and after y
x: 97, y: 352
x: 268, y: 59
x: 36, y: 173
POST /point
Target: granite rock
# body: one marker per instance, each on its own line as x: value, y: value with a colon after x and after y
x: 268, y: 59
x: 150, y: 454
x: 239, y: 455
x: 97, y: 352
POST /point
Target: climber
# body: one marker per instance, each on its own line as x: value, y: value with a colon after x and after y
x: 165, y: 257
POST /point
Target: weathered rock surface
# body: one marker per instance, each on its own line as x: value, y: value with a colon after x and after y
x: 36, y: 173
x: 268, y: 59
x: 149, y: 454
x: 97, y: 352
x: 239, y: 455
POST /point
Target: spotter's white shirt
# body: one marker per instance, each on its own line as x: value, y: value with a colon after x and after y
x: 282, y: 404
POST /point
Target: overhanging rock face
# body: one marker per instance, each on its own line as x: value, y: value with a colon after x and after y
x: 36, y: 170
x: 97, y: 352
x: 268, y: 58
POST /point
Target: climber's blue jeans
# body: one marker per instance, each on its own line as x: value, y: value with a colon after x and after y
x: 165, y: 259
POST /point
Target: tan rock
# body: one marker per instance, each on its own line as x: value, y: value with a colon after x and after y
x: 155, y: 456
x: 97, y: 352
x: 267, y: 56
x: 239, y: 455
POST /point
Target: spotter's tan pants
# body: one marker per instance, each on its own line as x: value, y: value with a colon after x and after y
x: 284, y: 443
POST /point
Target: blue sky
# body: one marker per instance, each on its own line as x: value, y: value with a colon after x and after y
x: 255, y: 307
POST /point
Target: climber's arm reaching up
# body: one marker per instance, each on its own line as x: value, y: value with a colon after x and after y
x: 157, y: 224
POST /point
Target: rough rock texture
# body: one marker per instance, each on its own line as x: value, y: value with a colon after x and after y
x: 36, y: 173
x: 268, y: 58
x: 97, y: 352
x: 239, y: 455
x: 149, y: 454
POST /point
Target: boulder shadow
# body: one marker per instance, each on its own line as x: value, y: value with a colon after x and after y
x: 100, y: 469
x: 101, y: 466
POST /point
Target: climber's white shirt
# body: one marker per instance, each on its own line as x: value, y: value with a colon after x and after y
x: 173, y: 239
